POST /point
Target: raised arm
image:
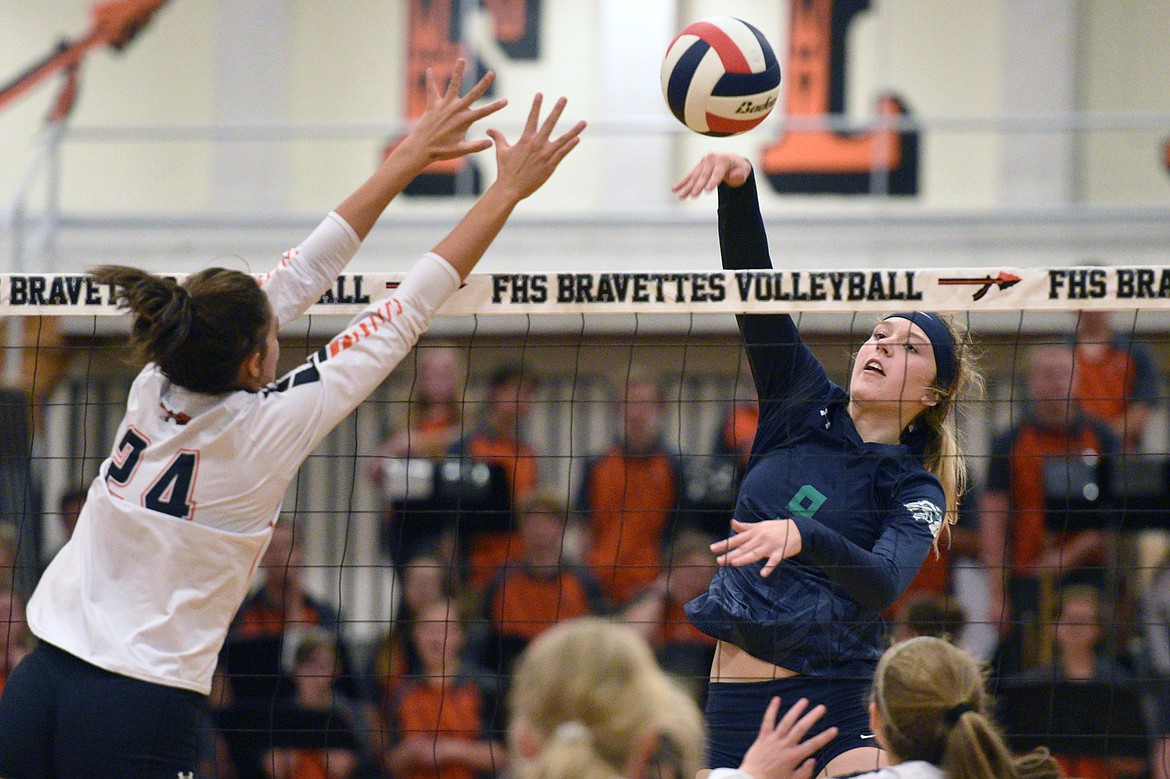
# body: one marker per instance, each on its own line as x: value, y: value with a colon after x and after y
x: 875, y: 577
x: 782, y: 366
x: 325, y: 390
x: 522, y: 169
x: 439, y: 134
x: 305, y: 273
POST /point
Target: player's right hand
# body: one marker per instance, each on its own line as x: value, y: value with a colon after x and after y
x: 772, y: 540
x: 440, y: 132
x: 715, y: 168
x: 780, y: 751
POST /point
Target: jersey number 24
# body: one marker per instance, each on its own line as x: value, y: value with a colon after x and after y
x: 170, y: 493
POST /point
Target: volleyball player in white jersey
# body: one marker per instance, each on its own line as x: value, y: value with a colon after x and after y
x: 134, y: 609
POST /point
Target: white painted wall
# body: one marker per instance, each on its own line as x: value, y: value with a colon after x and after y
x: 1123, y: 64
x: 344, y: 64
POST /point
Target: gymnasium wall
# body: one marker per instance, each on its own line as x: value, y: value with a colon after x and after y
x: 239, y: 121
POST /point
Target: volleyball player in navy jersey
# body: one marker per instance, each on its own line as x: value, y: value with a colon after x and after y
x: 134, y: 609
x: 842, y: 499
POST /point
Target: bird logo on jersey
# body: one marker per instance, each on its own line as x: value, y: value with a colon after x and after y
x: 926, y: 511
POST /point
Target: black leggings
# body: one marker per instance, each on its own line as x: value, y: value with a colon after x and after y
x: 62, y: 717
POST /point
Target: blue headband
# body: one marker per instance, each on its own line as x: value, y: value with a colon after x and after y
x: 940, y: 340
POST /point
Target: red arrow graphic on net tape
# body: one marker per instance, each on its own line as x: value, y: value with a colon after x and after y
x: 1003, y: 281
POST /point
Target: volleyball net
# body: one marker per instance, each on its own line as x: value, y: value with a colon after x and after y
x: 586, y: 414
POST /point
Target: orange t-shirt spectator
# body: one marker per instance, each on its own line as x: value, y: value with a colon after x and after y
x: 444, y: 721
x: 540, y: 588
x: 1115, y: 379
x: 630, y: 496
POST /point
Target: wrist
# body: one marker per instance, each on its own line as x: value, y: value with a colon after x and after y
x: 506, y: 193
x: 411, y: 151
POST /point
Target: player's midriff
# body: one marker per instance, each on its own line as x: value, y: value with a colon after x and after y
x: 732, y: 664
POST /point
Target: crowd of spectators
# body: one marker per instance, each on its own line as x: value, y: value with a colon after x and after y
x: 486, y: 558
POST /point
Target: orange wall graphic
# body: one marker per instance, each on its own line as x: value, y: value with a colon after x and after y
x: 433, y: 41
x: 826, y: 160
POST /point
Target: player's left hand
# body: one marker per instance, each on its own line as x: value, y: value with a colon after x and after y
x: 773, y: 540
x: 523, y: 167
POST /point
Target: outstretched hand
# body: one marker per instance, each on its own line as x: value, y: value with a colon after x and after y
x: 440, y: 132
x: 715, y: 168
x: 773, y: 540
x: 778, y: 752
x: 524, y: 166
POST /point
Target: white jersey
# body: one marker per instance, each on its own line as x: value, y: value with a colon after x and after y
x: 179, y: 515
x: 911, y: 769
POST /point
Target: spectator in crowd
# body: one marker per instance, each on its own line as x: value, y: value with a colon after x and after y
x: 711, y: 485
x: 216, y: 756
x: 682, y: 650
x: 272, y: 620
x: 1080, y: 651
x: 589, y: 701
x: 929, y: 614
x: 20, y: 487
x: 1024, y: 556
x: 539, y: 589
x: 1080, y: 654
x: 1116, y: 380
x: 425, y: 579
x: 8, y: 551
x: 498, y: 440
x: 630, y: 495
x: 433, y: 417
x: 433, y: 424
x: 738, y: 432
x: 317, y: 733
x: 446, y: 722
x: 69, y: 509
x: 15, y: 639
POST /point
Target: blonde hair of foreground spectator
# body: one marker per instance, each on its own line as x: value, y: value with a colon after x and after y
x: 589, y: 701
x: 929, y: 703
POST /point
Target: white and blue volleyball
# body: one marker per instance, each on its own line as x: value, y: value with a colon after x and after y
x: 720, y: 76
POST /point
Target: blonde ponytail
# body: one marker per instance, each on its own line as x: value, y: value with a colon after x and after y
x: 933, y: 706
x: 944, y: 446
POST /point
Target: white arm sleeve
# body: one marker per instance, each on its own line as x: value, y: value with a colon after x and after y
x: 307, y: 403
x: 308, y: 271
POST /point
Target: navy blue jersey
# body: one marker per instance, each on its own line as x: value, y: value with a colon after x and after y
x: 867, y: 512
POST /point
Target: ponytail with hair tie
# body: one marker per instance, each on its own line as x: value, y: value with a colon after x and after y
x: 952, y: 715
x: 171, y: 323
x: 200, y: 332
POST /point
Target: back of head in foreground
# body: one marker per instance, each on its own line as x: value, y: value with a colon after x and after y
x: 930, y: 704
x: 588, y: 701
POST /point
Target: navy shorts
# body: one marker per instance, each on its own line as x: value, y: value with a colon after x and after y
x: 735, y: 709
x: 61, y: 716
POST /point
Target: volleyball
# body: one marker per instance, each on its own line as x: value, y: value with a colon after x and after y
x: 720, y: 76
